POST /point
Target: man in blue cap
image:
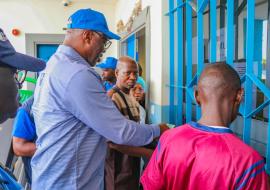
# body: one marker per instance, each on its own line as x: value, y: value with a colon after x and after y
x: 10, y: 62
x: 73, y: 115
x: 108, y: 72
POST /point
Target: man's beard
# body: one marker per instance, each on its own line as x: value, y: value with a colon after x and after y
x: 95, y: 61
x: 92, y: 63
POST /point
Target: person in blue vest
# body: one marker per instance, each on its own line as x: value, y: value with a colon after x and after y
x: 24, y: 136
x: 108, y: 72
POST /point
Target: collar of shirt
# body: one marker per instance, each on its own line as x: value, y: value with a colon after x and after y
x: 219, y: 127
x: 74, y: 55
x: 209, y: 128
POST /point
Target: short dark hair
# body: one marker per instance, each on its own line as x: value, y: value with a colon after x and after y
x: 226, y: 73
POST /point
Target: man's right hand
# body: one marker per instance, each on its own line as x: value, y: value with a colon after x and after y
x: 163, y: 127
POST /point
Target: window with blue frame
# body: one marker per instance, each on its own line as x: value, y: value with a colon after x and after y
x: 45, y: 51
x: 134, y: 46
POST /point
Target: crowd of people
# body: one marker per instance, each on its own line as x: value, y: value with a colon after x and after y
x: 83, y: 131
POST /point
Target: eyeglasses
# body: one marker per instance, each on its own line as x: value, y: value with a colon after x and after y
x: 20, y: 78
x: 107, y: 42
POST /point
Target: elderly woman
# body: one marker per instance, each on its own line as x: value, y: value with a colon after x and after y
x: 138, y: 92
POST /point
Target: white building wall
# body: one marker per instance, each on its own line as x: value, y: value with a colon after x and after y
x: 48, y: 16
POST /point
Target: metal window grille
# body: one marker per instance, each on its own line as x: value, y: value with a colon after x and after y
x: 180, y: 24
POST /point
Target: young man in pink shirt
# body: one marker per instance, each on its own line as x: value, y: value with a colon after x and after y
x: 206, y: 154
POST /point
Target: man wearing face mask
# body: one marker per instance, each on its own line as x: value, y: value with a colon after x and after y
x: 73, y: 114
x: 10, y: 62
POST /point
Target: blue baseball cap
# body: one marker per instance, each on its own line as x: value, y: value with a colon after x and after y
x: 89, y: 19
x: 109, y: 63
x: 9, y: 56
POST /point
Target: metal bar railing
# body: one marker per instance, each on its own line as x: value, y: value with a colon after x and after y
x: 213, y: 31
x: 248, y: 79
x: 171, y: 28
x: 188, y: 61
x: 249, y: 70
x: 230, y: 31
x: 200, y: 44
x: 179, y: 6
x: 179, y: 119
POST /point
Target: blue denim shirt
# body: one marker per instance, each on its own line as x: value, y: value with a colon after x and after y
x: 74, y: 117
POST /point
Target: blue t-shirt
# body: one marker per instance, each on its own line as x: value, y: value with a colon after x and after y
x: 108, y: 86
x: 24, y: 126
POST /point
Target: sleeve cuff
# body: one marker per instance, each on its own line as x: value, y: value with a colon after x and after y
x: 156, y: 130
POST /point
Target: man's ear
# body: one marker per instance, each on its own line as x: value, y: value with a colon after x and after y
x: 116, y: 73
x: 87, y: 36
x: 197, y: 97
x: 239, y: 96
